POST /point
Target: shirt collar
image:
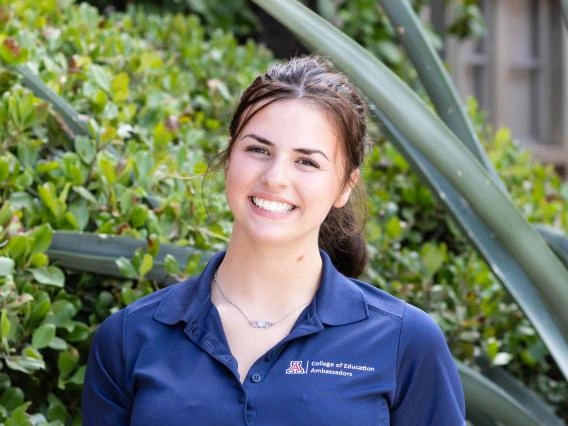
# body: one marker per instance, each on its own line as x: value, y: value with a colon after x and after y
x: 338, y: 301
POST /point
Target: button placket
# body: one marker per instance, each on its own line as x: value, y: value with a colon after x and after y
x: 194, y: 331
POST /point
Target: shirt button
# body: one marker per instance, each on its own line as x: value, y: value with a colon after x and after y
x: 256, y: 378
x: 241, y: 399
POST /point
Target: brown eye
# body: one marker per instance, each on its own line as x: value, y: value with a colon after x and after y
x: 256, y: 149
x: 309, y: 162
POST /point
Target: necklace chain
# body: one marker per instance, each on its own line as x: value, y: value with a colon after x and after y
x: 254, y: 323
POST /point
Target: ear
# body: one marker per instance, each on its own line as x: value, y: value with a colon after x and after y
x: 347, y: 188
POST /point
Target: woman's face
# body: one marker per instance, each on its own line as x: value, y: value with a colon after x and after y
x: 285, y: 172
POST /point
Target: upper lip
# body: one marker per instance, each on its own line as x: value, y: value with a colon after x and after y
x: 271, y: 197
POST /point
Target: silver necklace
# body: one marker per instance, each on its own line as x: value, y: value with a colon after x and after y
x: 255, y: 323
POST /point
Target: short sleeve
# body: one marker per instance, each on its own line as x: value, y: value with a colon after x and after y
x: 105, y: 399
x: 428, y: 388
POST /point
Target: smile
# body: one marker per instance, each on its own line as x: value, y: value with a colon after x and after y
x: 272, y: 206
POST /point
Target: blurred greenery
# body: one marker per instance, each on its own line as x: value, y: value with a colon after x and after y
x: 155, y: 93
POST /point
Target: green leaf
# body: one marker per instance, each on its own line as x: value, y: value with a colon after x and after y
x: 49, y: 275
x: 19, y: 417
x: 18, y: 247
x: 43, y: 336
x: 5, y: 325
x: 41, y: 238
x: 58, y: 344
x: 394, y: 227
x: 56, y: 411
x: 162, y: 136
x: 61, y: 313
x: 85, y: 147
x: 126, y: 267
x: 12, y: 398
x: 79, y: 376
x: 80, y: 333
x: 67, y: 362
x: 38, y: 259
x: 49, y: 197
x: 127, y: 295
x: 171, y: 265
x: 433, y: 257
x: 85, y: 193
x: 138, y: 216
x: 4, y: 169
x: 120, y: 87
x: 100, y: 76
x: 4, y: 382
x: 11, y: 53
x: 41, y: 307
x: 28, y: 151
x: 47, y: 166
x: 146, y: 265
x: 6, y: 213
x: 25, y: 364
x: 6, y: 266
x: 80, y: 212
x: 106, y: 167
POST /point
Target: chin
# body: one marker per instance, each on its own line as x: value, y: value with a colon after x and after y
x: 271, y: 238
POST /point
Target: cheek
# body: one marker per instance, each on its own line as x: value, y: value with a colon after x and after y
x: 325, y: 192
x: 234, y: 172
x: 236, y: 181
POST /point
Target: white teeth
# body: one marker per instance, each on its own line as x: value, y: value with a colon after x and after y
x: 272, y: 206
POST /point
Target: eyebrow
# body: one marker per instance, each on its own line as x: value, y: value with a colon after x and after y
x: 265, y: 141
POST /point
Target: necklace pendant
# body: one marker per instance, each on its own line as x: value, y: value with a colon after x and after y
x: 261, y: 324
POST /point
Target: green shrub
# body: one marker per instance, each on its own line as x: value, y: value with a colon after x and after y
x: 156, y: 93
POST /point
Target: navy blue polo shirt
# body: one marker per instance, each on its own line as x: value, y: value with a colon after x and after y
x: 356, y: 356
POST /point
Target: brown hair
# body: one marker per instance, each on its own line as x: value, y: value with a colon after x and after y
x: 314, y: 80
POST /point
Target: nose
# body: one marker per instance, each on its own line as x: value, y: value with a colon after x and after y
x: 275, y: 174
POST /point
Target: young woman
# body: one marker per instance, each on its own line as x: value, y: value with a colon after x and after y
x: 273, y: 332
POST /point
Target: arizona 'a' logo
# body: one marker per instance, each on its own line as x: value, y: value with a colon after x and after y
x: 295, y: 368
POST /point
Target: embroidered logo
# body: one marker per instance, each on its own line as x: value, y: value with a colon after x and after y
x: 295, y: 368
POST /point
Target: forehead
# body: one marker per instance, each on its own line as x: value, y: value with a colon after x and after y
x: 293, y: 121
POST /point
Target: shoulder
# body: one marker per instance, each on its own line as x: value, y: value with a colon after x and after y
x: 149, y: 301
x: 420, y: 330
x: 379, y: 300
x: 416, y: 326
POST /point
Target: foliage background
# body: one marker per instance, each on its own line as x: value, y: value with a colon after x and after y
x: 156, y: 92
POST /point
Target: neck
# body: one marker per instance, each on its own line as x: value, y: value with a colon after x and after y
x: 271, y: 279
